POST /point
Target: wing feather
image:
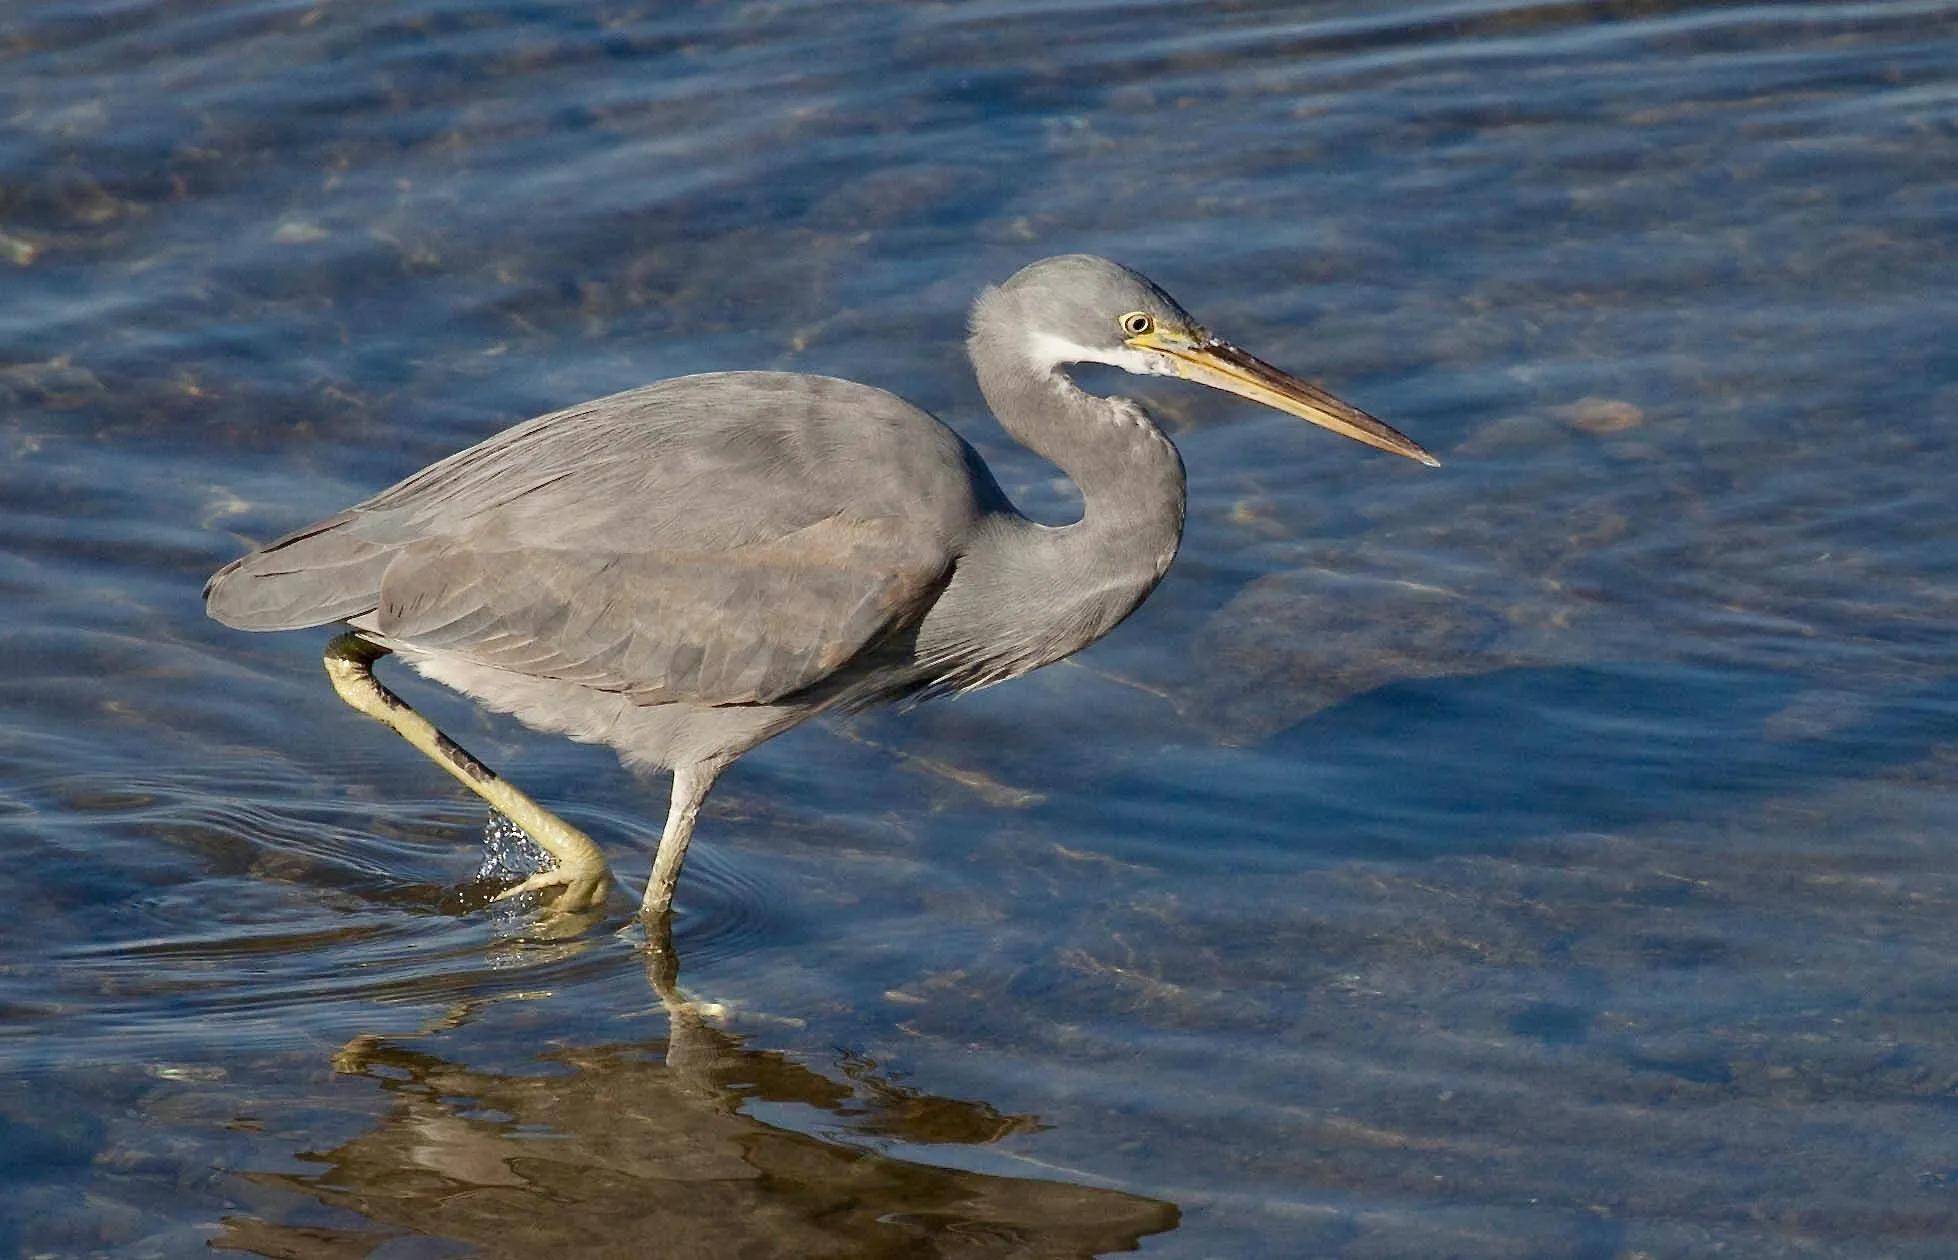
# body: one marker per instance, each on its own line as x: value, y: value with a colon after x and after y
x: 722, y: 539
x: 746, y: 625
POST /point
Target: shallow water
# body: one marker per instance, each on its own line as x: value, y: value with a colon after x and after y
x: 1550, y: 855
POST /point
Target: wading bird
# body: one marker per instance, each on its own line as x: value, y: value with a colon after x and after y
x: 684, y: 570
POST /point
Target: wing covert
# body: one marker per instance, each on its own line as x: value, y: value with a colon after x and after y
x: 747, y: 624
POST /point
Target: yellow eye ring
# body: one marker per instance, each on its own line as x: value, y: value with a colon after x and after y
x: 1136, y: 323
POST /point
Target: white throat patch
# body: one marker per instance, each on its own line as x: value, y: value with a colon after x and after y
x: 1049, y: 352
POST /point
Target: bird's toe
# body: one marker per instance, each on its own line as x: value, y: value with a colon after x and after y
x: 568, y: 890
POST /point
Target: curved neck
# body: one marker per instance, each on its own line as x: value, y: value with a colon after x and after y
x: 1130, y: 476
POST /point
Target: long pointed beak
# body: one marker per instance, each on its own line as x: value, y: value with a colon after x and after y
x: 1221, y: 365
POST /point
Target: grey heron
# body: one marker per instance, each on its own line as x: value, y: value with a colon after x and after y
x: 689, y: 568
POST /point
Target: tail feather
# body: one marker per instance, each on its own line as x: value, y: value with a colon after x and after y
x: 321, y: 574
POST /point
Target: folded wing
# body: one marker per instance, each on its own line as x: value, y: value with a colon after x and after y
x: 717, y: 540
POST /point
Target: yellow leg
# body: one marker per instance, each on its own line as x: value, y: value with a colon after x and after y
x: 581, y: 873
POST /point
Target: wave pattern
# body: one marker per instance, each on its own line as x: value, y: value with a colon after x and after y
x: 1543, y: 856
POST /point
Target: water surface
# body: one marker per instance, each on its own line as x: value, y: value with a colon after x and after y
x: 1549, y: 855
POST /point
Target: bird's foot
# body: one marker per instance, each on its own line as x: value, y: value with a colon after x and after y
x: 578, y: 887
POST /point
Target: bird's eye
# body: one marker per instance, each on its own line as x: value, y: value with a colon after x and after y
x: 1135, y: 323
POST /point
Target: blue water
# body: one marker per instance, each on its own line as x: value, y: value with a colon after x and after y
x: 1549, y: 855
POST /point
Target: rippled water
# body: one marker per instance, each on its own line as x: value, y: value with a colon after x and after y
x: 1551, y: 855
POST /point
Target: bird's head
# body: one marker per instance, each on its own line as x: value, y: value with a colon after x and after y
x: 1081, y: 309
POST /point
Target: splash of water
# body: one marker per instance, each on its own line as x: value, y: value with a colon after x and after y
x: 509, y: 853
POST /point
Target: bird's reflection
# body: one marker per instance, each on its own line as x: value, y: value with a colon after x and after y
x: 650, y: 1150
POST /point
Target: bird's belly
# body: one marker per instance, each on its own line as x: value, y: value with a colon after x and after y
x: 646, y: 736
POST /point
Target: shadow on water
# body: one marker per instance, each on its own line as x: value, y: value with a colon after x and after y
x: 655, y: 1148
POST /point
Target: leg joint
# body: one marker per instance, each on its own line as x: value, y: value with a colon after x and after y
x: 349, y: 664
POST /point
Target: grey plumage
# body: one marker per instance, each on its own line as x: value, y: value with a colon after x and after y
x: 685, y: 569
